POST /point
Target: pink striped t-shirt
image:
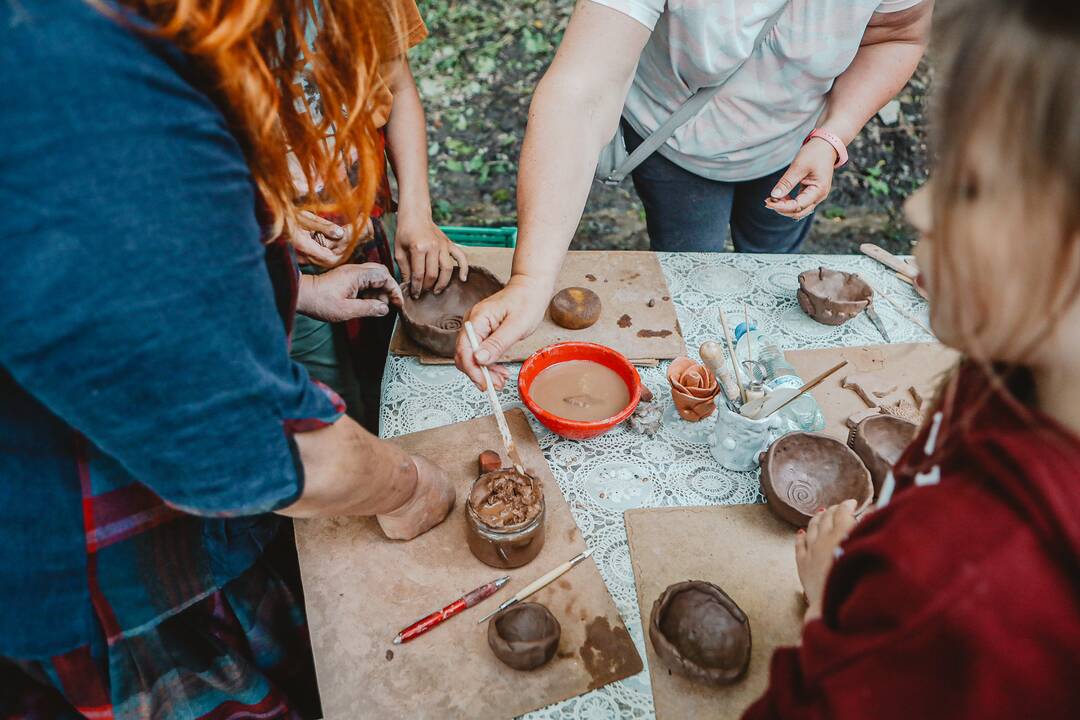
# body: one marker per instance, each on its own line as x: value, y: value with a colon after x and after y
x: 757, y: 122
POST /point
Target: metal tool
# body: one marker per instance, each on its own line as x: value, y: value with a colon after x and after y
x: 876, y: 319
x: 537, y: 585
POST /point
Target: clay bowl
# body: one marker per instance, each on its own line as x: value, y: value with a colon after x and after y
x: 700, y: 633
x: 879, y: 441
x: 564, y: 352
x: 524, y: 636
x: 832, y: 297
x: 802, y: 472
x: 433, y: 321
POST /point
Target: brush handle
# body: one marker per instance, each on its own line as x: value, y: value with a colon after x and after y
x: 889, y: 260
x: 734, y: 360
x: 493, y: 398
x: 807, y: 387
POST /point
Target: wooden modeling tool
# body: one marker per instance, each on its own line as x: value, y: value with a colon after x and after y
x: 731, y: 355
x: 807, y: 387
x: 493, y: 398
x: 746, y: 320
x: 538, y: 584
x: 886, y: 258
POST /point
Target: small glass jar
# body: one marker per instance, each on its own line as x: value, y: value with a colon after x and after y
x: 508, y: 547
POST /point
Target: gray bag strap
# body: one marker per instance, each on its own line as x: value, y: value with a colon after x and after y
x: 689, y: 109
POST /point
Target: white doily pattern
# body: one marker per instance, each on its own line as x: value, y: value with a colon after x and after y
x: 601, y: 478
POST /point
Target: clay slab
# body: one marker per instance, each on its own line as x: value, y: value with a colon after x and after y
x: 751, y: 555
x: 361, y: 589
x: 626, y: 283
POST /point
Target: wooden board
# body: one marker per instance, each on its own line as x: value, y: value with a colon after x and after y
x: 906, y: 364
x: 750, y: 554
x: 625, y: 281
x: 361, y: 589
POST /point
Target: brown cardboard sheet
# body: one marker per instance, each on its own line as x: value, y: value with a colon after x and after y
x: 361, y: 589
x: 906, y: 364
x: 746, y: 551
x: 625, y: 281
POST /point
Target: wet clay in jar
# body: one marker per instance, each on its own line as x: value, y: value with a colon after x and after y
x: 504, y: 518
x: 580, y: 390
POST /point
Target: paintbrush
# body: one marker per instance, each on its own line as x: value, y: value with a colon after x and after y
x: 734, y: 360
x: 504, y: 429
x: 462, y: 604
x: 807, y: 387
x: 538, y: 584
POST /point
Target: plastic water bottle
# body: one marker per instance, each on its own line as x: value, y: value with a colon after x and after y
x: 803, y: 413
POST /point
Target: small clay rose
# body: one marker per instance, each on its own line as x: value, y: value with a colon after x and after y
x: 693, y: 388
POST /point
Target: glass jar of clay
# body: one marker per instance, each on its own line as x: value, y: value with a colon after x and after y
x: 505, y: 517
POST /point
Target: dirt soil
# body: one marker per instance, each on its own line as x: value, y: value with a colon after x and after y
x: 476, y: 74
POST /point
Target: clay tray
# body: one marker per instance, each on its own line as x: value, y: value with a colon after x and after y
x: 361, y: 588
x: 625, y: 281
x: 906, y: 364
x: 746, y: 551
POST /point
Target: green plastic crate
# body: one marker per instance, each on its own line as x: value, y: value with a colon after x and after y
x: 504, y: 237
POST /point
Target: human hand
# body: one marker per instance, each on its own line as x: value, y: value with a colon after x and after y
x: 500, y: 321
x: 319, y: 241
x: 347, y: 292
x: 426, y: 256
x: 813, y: 169
x: 429, y: 505
x: 815, y: 550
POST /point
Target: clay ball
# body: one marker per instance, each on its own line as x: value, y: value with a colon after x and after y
x: 524, y: 636
x: 575, y: 308
x: 700, y: 633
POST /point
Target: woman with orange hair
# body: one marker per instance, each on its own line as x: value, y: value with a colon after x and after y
x: 153, y: 429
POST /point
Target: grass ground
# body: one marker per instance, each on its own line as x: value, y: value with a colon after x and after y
x: 476, y: 74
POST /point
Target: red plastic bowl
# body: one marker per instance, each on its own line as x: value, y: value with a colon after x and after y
x: 564, y: 352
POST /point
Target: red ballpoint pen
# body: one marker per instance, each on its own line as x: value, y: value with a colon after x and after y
x: 465, y: 602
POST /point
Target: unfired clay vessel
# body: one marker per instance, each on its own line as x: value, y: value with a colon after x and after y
x: 524, y: 636
x: 832, y: 297
x: 693, y: 388
x: 879, y: 441
x: 700, y: 633
x: 433, y: 321
x: 802, y: 472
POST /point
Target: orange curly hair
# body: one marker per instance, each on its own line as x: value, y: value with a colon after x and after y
x: 256, y: 51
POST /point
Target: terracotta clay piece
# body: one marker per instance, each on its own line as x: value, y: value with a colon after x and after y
x: 831, y: 297
x: 879, y: 441
x: 871, y: 387
x: 802, y: 472
x: 700, y: 633
x: 433, y: 321
x: 504, y: 518
x: 693, y: 388
x: 575, y: 308
x: 524, y: 636
x: 489, y: 461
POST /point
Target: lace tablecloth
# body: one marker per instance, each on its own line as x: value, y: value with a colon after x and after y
x: 622, y: 469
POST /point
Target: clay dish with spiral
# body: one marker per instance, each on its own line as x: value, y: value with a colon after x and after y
x: 832, y: 297
x: 433, y: 321
x: 802, y: 472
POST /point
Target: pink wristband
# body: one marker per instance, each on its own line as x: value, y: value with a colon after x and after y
x: 837, y: 143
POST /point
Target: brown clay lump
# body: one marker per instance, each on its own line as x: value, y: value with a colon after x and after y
x: 524, y: 636
x: 433, y: 321
x: 489, y: 461
x: 832, y: 297
x: 700, y: 633
x: 505, y: 498
x: 575, y: 308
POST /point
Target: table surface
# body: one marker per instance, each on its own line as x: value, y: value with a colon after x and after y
x: 620, y: 470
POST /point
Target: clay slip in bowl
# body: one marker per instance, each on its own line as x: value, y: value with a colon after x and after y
x: 802, y: 472
x: 563, y: 352
x: 433, y: 321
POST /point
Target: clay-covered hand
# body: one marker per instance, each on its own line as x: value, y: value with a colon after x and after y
x: 500, y: 321
x: 815, y: 550
x: 429, y: 505
x: 813, y: 169
x: 319, y: 241
x: 347, y: 292
x: 426, y: 257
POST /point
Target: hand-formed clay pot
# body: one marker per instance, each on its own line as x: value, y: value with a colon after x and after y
x: 693, y: 388
x: 879, y: 441
x: 433, y: 321
x: 832, y: 297
x: 524, y: 636
x: 802, y: 472
x: 700, y: 633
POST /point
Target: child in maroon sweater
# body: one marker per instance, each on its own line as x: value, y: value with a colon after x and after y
x: 959, y: 596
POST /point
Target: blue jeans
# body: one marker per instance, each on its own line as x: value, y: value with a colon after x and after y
x: 685, y: 212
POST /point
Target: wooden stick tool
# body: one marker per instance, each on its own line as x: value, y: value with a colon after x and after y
x: 504, y: 429
x: 807, y: 387
x: 538, y: 584
x: 734, y: 360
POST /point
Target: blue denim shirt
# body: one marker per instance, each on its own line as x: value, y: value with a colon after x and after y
x: 147, y: 399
